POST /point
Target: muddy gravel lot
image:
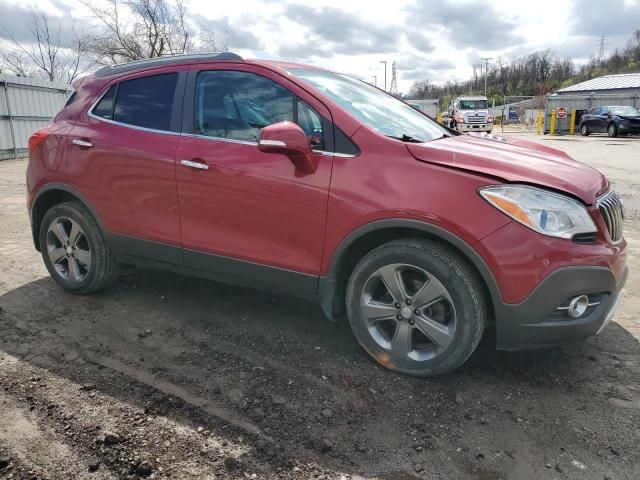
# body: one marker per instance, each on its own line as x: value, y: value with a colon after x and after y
x: 165, y: 376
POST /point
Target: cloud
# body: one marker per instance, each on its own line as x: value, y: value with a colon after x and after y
x: 414, y: 67
x: 335, y: 31
x: 465, y: 25
x: 17, y: 21
x: 419, y: 41
x: 617, y: 17
x: 239, y: 37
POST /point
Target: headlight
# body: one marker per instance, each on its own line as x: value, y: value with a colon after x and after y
x: 545, y: 212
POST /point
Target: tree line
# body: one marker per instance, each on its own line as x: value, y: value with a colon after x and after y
x: 532, y: 75
x: 117, y: 31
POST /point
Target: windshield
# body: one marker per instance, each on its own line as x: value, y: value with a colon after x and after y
x: 473, y: 105
x: 624, y: 111
x: 373, y: 107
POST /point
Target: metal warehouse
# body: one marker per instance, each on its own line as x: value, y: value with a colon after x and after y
x: 26, y: 105
x: 620, y: 83
x: 623, y: 89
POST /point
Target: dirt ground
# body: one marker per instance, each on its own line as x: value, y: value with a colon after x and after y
x: 165, y: 376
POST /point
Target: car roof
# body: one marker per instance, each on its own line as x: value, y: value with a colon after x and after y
x: 140, y: 65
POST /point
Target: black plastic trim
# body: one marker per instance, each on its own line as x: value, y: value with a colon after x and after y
x: 139, y: 248
x: 67, y: 189
x: 257, y: 274
x: 137, y: 251
x: 535, y: 323
x: 327, y: 287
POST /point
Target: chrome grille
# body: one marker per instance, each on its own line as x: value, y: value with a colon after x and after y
x: 612, y: 212
x: 476, y: 118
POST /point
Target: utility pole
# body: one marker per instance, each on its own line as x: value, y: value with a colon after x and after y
x: 393, y: 89
x: 603, y: 44
x: 375, y: 80
x: 385, y: 74
x: 486, y: 72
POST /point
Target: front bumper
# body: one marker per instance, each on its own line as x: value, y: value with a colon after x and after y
x: 629, y: 129
x: 474, y: 127
x: 537, y: 322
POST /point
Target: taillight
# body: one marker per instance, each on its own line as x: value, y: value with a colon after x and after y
x: 37, y: 138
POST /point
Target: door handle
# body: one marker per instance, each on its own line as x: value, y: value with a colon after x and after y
x: 82, y: 143
x: 194, y: 164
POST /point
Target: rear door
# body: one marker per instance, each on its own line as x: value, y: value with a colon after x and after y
x: 247, y: 213
x: 602, y: 119
x: 122, y: 156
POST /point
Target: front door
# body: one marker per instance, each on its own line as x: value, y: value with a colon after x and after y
x: 246, y: 213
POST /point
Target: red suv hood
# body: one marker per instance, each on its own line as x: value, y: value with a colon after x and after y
x: 514, y: 160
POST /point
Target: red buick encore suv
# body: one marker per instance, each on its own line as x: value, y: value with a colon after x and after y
x: 294, y: 178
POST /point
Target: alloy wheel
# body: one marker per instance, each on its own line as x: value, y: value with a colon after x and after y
x: 68, y: 249
x: 408, y: 312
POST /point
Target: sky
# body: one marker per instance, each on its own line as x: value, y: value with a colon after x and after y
x: 437, y: 40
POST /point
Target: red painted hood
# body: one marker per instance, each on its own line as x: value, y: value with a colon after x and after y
x: 515, y: 160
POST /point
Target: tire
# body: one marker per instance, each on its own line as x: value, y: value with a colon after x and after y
x: 441, y: 319
x: 612, y: 130
x: 74, y: 250
x: 584, y: 130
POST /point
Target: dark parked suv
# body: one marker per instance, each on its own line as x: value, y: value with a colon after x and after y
x: 306, y: 181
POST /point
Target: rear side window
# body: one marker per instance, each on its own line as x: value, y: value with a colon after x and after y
x: 146, y: 102
x: 104, y: 109
x: 143, y: 102
x: 71, y: 99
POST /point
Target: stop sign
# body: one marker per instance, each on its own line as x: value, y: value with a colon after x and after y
x: 561, y: 112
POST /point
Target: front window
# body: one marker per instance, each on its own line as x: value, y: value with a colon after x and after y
x: 237, y: 105
x: 631, y: 111
x: 373, y: 107
x: 473, y: 105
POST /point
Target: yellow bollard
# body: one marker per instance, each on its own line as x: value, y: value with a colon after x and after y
x: 552, y: 129
x: 540, y: 117
x: 572, y: 125
x: 439, y: 117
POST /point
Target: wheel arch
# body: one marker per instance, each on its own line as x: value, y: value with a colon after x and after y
x: 332, y: 288
x: 51, y: 195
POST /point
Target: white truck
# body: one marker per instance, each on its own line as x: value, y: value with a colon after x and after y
x: 470, y: 114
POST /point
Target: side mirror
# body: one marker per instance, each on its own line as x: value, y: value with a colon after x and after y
x: 289, y: 139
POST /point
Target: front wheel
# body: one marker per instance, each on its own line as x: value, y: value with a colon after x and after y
x: 74, y: 249
x: 416, y: 307
x: 584, y: 130
x: 612, y: 130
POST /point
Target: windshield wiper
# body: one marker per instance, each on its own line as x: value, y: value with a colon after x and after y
x: 444, y: 135
x: 406, y: 138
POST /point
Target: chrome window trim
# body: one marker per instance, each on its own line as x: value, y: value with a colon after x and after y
x: 219, y: 139
x: 134, y: 127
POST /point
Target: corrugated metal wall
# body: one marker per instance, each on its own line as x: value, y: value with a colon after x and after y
x: 582, y: 103
x: 26, y: 105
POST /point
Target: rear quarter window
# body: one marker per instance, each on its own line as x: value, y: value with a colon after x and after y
x: 142, y: 102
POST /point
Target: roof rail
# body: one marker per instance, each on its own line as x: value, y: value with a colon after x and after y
x: 167, y: 60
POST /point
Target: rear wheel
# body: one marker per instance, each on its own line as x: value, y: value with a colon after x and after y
x: 74, y: 250
x: 612, y: 130
x: 416, y: 307
x: 584, y: 130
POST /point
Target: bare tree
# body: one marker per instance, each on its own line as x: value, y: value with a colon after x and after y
x: 46, y: 53
x: 138, y: 29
